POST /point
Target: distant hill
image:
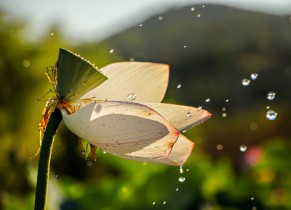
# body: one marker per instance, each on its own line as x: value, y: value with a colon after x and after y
x: 210, y: 50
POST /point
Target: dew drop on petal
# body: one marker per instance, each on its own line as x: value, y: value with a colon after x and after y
x: 189, y: 114
x: 111, y: 51
x: 254, y: 76
x: 131, y: 97
x: 271, y: 115
x: 179, y: 86
x: 243, y: 148
x: 271, y: 96
x: 182, y: 179
x: 207, y: 100
x: 245, y: 82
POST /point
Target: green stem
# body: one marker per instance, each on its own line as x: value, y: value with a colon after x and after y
x: 44, y: 161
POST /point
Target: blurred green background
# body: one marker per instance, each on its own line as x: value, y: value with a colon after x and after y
x: 209, y: 55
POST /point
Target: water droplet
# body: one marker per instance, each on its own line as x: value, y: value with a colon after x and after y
x: 140, y: 25
x: 57, y: 175
x: 227, y: 100
x: 219, y: 147
x: 271, y: 95
x: 52, y: 34
x: 164, y: 202
x: 154, y: 203
x: 207, y: 100
x: 179, y: 86
x: 193, y: 8
x: 243, y: 148
x: 267, y: 107
x: 26, y: 63
x: 271, y: 115
x: 245, y: 82
x: 252, y: 198
x: 254, y: 76
x: 199, y: 107
x: 160, y: 18
x: 104, y: 152
x: 111, y: 51
x: 182, y: 179
x: 131, y: 97
x: 177, y: 189
x: 224, y: 114
x: 89, y: 163
x: 187, y: 169
x: 223, y: 109
x: 84, y: 83
x: 203, y: 6
x: 185, y: 46
x: 199, y: 15
x: 189, y: 114
x: 181, y: 169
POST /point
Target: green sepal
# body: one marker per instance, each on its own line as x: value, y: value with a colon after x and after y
x: 76, y: 76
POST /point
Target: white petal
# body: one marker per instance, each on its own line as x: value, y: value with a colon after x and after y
x: 180, y: 153
x: 143, y: 82
x: 124, y: 129
x: 181, y: 117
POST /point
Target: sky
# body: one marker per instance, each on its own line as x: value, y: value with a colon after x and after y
x: 97, y: 19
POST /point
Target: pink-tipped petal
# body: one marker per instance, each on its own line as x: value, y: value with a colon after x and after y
x: 125, y: 129
x: 181, y: 117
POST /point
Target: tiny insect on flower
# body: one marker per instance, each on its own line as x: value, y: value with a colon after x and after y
x: 118, y: 109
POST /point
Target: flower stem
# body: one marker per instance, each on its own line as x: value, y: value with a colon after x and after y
x: 44, y: 161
